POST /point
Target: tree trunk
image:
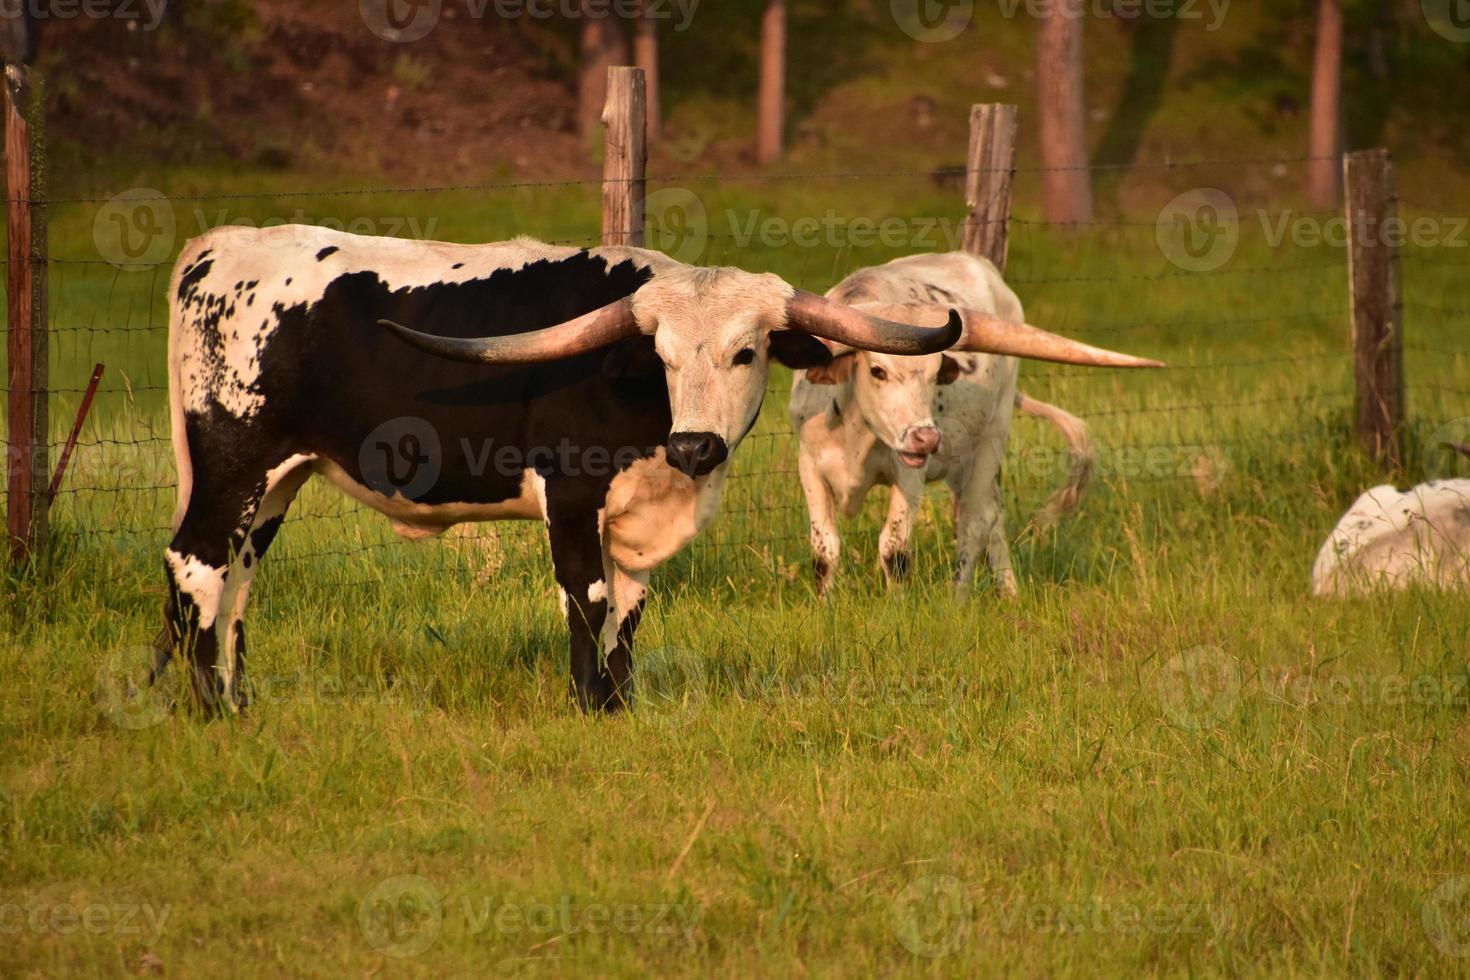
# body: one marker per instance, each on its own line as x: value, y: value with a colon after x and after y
x: 772, y: 104
x: 645, y: 56
x: 603, y: 46
x: 1324, y: 169
x: 1066, y: 181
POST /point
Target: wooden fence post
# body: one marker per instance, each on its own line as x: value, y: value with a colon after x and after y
x: 1374, y: 301
x: 624, y: 165
x: 990, y: 170
x: 28, y: 458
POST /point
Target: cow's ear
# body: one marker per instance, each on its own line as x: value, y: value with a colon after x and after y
x: 633, y: 358
x: 949, y: 370
x: 835, y: 373
x: 796, y: 349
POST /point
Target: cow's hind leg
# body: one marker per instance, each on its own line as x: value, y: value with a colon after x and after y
x: 225, y: 527
x: 197, y: 564
x: 628, y: 591
x: 980, y: 525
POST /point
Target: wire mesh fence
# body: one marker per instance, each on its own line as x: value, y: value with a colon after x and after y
x: 1248, y: 305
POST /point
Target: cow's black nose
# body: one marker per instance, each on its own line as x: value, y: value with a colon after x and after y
x: 696, y: 453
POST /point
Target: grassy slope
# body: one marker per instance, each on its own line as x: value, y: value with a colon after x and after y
x: 1162, y: 726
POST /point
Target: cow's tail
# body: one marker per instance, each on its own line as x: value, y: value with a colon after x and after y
x: 182, y: 462
x: 1079, y: 453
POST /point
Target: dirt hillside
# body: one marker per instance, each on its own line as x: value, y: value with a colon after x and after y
x: 303, y: 85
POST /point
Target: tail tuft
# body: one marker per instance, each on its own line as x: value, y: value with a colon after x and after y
x: 1079, y: 447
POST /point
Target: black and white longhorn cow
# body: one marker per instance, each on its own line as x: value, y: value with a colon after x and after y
x: 619, y: 378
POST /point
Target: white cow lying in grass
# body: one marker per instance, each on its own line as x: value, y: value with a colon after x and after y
x: 867, y: 420
x: 1395, y: 539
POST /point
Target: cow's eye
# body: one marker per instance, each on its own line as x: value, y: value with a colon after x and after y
x: 879, y: 374
x: 744, y: 356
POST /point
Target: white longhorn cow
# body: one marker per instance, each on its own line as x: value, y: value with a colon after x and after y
x: 868, y: 420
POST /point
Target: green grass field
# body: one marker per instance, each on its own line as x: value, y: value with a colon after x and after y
x: 1163, y: 759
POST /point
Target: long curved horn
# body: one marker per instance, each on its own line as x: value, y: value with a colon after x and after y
x: 831, y: 320
x: 989, y: 334
x: 588, y: 332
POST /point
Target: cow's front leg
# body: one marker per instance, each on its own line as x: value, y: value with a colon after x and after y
x: 893, y: 542
x: 822, y: 512
x: 628, y: 591
x: 582, y: 578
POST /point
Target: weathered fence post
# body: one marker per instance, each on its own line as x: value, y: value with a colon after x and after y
x: 625, y: 161
x: 1376, y: 309
x: 989, y: 173
x: 28, y: 458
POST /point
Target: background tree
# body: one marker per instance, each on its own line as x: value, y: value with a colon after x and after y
x: 645, y: 56
x: 1062, y: 111
x: 771, y: 110
x: 17, y: 32
x: 1324, y: 169
x: 603, y: 45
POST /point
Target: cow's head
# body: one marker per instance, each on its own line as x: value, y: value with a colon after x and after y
x: 716, y: 332
x: 896, y: 394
